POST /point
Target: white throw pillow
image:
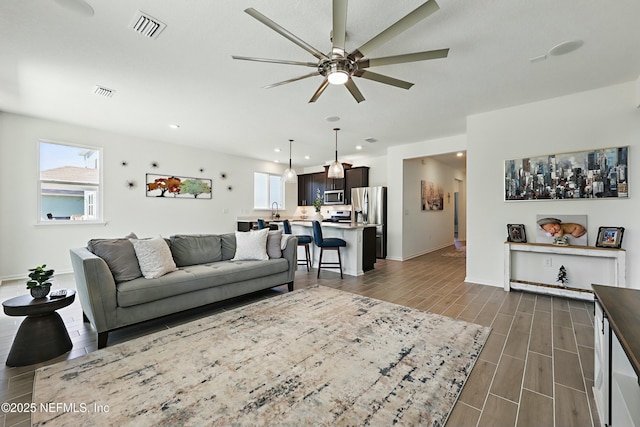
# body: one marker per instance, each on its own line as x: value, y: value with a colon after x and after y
x: 252, y: 245
x: 154, y: 257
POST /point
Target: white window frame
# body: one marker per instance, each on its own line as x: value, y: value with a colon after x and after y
x: 269, y: 175
x: 93, y: 194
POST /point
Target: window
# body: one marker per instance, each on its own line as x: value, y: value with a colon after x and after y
x: 70, y: 188
x: 267, y: 190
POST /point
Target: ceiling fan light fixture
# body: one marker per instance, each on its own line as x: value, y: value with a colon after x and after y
x: 338, y: 77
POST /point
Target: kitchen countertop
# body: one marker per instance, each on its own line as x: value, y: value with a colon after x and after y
x: 343, y: 225
x: 622, y: 306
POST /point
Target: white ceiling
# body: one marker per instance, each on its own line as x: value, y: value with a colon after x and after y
x: 51, y: 57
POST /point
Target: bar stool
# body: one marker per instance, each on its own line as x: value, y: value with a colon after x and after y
x: 303, y: 240
x: 331, y: 243
x: 260, y: 223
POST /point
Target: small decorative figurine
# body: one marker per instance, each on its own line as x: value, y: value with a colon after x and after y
x: 561, y: 240
x: 562, y: 276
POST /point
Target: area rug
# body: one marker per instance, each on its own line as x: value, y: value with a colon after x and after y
x: 316, y: 356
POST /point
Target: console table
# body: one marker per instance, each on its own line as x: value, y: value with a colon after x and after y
x: 42, y: 335
x: 615, y: 256
x: 616, y: 389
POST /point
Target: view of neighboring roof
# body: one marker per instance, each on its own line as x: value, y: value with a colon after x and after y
x: 71, y: 174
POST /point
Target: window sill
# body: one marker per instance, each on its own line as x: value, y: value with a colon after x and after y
x: 54, y: 222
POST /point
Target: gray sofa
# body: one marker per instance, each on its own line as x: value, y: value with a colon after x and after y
x: 112, y: 296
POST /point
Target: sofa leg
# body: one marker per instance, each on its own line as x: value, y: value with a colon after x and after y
x: 102, y: 339
x: 290, y: 286
x: 85, y: 319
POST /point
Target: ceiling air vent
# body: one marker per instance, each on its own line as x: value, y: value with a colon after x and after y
x: 146, y: 25
x: 103, y: 91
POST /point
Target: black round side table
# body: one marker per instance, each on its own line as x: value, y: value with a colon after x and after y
x: 42, y: 335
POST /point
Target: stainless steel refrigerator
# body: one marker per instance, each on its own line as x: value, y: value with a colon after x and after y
x: 369, y: 205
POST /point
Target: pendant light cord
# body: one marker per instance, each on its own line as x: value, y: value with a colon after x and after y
x: 290, y: 141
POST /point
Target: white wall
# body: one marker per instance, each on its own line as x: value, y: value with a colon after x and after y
x: 23, y: 244
x: 599, y: 118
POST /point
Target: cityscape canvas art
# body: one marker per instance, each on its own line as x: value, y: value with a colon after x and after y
x: 593, y: 174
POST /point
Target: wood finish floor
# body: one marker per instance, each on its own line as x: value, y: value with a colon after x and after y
x: 536, y: 368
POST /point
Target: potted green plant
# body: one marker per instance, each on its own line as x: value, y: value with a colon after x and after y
x: 40, y: 283
x: 317, y: 203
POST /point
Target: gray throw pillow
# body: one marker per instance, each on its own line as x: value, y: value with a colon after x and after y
x: 228, y: 243
x: 193, y: 249
x: 119, y: 256
x: 273, y: 244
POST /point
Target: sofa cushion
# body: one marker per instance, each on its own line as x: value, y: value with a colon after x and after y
x: 251, y: 245
x: 191, y: 249
x: 154, y: 257
x: 274, y: 241
x: 119, y: 256
x: 194, y: 278
x: 228, y: 243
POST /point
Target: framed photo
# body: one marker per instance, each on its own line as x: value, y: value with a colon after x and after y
x: 178, y: 187
x: 432, y: 196
x: 516, y: 234
x: 569, y: 228
x: 610, y: 237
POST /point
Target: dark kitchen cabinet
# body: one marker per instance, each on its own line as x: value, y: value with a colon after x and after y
x: 354, y: 178
x: 318, y: 182
x: 303, y: 180
x: 308, y: 185
x: 368, y: 248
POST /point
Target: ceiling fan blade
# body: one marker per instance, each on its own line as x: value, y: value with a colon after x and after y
x: 380, y: 78
x: 295, y: 79
x: 319, y: 91
x: 350, y: 84
x: 399, y: 59
x: 339, y: 32
x: 418, y: 14
x: 275, y: 61
x: 286, y: 34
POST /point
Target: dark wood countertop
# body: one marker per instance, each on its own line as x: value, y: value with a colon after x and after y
x: 622, y: 306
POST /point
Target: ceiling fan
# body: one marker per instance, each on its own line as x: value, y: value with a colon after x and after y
x: 338, y: 67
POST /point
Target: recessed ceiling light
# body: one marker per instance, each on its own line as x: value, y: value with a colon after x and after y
x: 565, y: 47
x: 332, y: 118
x: 174, y: 126
x: 276, y: 161
x: 277, y: 150
x: 358, y: 147
x: 459, y: 154
x: 307, y: 157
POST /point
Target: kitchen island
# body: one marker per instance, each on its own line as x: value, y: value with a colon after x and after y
x: 359, y: 254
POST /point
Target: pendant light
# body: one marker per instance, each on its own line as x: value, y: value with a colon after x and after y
x: 289, y: 176
x: 335, y: 169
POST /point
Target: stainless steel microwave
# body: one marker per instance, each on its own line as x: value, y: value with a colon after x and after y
x: 334, y: 197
